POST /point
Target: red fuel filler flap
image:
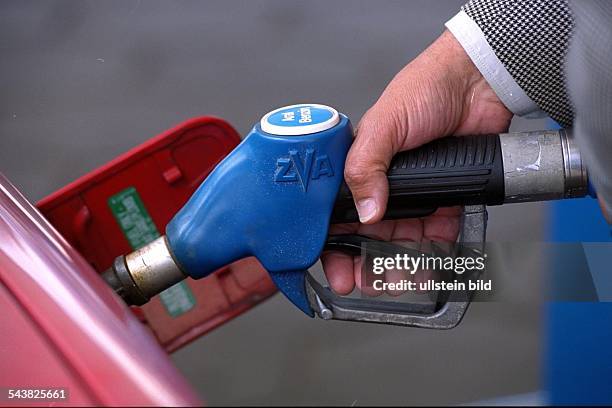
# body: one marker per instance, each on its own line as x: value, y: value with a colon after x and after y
x: 127, y: 203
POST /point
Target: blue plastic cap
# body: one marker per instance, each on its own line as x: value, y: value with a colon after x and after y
x: 302, y: 119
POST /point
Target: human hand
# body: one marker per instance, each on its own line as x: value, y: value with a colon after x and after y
x: 438, y: 94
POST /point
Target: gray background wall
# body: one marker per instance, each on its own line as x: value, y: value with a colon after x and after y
x: 83, y: 81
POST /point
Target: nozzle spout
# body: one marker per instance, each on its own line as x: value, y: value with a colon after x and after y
x: 144, y: 273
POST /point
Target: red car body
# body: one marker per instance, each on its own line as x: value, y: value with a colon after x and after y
x: 62, y: 327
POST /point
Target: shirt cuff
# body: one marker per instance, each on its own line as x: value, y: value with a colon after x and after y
x: 473, y: 41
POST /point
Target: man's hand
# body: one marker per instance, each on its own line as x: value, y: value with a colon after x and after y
x: 438, y: 94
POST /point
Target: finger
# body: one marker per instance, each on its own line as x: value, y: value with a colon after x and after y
x: 395, y: 276
x: 441, y: 227
x: 364, y: 278
x: 338, y: 268
x: 367, y: 162
x: 381, y: 230
x: 336, y: 229
x: 448, y: 211
x: 408, y: 230
x: 423, y: 275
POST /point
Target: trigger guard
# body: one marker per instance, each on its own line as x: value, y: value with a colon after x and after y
x: 328, y: 305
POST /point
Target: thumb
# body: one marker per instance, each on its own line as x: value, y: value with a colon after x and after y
x: 366, y: 165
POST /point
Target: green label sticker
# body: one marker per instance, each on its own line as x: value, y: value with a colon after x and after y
x: 133, y: 218
x: 139, y: 229
x: 177, y: 299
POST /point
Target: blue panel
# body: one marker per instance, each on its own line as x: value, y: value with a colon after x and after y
x: 578, y: 354
x: 578, y: 220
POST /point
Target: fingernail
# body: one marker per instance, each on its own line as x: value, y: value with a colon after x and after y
x: 366, y: 209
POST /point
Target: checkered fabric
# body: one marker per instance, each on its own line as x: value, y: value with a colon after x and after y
x: 531, y: 39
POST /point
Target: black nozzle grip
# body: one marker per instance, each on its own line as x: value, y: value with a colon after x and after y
x: 463, y: 170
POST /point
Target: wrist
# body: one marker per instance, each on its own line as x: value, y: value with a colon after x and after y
x: 457, y: 61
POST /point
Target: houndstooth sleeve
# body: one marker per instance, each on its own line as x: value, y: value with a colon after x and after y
x: 519, y: 46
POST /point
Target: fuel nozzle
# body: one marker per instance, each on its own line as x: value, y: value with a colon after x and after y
x: 142, y: 274
x: 275, y: 195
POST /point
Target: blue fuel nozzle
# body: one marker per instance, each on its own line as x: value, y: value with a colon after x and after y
x: 271, y: 198
x: 276, y: 194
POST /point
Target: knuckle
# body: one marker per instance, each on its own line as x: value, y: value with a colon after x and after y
x: 355, y: 172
